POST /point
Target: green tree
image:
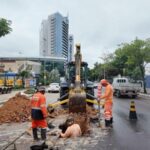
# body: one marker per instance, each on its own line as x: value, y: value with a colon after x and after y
x: 119, y: 61
x: 5, y: 27
x: 54, y: 76
x: 96, y: 73
x: 138, y: 55
x: 24, y: 74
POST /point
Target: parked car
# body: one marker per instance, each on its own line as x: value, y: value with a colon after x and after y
x: 53, y: 87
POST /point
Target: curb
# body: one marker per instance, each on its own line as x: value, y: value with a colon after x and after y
x: 147, y: 96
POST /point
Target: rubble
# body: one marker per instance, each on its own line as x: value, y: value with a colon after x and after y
x: 16, y: 109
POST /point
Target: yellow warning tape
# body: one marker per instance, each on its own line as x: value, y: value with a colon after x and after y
x: 55, y: 104
x: 94, y: 102
x: 58, y: 103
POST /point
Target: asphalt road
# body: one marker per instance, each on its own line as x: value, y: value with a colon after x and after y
x: 128, y: 134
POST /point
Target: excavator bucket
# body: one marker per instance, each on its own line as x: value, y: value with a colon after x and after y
x: 77, y: 103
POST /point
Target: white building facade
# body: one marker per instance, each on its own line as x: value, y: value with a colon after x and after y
x: 54, y: 36
x: 71, y: 48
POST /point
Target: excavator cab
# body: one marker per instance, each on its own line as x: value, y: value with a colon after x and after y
x: 76, y: 87
x: 71, y: 72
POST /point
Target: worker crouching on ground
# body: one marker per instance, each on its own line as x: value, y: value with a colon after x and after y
x: 39, y: 113
x: 108, y: 96
x: 73, y: 130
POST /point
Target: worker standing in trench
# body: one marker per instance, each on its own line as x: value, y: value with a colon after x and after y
x: 39, y: 113
x: 73, y: 130
x: 108, y: 96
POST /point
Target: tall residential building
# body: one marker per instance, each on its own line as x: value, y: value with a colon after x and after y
x: 54, y: 36
x: 70, y: 48
x: 44, y: 38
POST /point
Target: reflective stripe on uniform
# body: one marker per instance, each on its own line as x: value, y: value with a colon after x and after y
x: 107, y: 115
x: 42, y: 105
x: 38, y: 108
x: 35, y: 98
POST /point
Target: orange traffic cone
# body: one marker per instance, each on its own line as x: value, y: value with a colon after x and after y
x: 132, y: 113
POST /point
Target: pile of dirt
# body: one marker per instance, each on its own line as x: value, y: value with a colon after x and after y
x: 90, y: 111
x: 83, y: 121
x: 16, y: 109
x: 57, y: 112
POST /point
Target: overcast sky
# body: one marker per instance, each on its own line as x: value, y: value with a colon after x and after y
x: 99, y: 25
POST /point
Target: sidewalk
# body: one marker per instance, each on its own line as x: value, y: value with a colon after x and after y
x: 143, y: 95
x: 6, y: 97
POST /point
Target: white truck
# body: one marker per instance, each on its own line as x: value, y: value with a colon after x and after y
x: 124, y: 86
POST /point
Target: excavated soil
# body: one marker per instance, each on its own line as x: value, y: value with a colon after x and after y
x: 16, y: 109
x: 90, y: 111
x: 83, y: 119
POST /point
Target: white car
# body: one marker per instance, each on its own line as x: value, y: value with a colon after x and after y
x: 53, y: 87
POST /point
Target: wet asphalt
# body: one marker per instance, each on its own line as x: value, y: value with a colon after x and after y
x: 128, y: 134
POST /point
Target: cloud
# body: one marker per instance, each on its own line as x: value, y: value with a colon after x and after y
x: 99, y: 25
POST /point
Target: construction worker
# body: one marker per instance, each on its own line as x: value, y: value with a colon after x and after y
x: 108, y: 96
x: 39, y: 113
x: 73, y: 130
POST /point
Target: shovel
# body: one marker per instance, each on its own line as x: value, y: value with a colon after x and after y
x: 99, y: 114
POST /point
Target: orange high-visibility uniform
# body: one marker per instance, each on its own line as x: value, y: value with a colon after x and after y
x: 108, y: 96
x: 38, y: 111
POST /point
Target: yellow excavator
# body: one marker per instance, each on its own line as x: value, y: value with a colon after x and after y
x: 77, y: 94
x: 75, y: 89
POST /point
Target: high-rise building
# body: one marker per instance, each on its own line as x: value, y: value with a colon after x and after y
x: 70, y: 47
x: 54, y: 36
x: 44, y: 38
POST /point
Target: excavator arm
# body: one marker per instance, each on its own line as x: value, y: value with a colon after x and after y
x: 77, y: 95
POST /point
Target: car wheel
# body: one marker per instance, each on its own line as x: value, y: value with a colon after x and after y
x: 134, y: 96
x: 118, y: 94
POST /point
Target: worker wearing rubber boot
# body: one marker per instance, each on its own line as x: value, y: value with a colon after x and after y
x: 39, y: 113
x: 73, y: 130
x: 108, y: 96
